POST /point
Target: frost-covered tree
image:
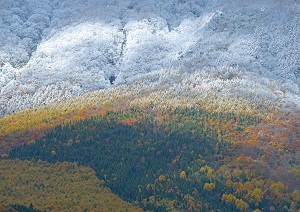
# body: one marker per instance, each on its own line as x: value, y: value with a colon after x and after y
x: 65, y: 45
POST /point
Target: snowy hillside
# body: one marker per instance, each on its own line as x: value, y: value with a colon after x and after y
x: 52, y: 50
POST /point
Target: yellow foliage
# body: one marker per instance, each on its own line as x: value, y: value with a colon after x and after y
x: 255, y: 196
x: 209, y: 186
x: 238, y: 187
x: 295, y: 196
x: 237, y: 172
x: 182, y: 174
x: 53, y: 186
x: 208, y: 170
x: 278, y: 190
x: 296, y: 173
x: 229, y: 183
x: 241, y: 205
x: 229, y: 199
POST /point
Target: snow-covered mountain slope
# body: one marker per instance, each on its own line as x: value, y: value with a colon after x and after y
x: 52, y: 50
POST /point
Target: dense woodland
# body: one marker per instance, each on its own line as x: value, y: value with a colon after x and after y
x: 149, y: 105
x: 37, y: 185
x: 182, y: 159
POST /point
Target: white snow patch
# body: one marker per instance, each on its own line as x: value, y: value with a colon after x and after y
x: 73, y: 47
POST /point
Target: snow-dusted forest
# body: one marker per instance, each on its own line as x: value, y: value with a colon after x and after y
x: 51, y: 50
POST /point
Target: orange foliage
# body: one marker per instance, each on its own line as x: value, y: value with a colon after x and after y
x: 129, y: 121
x: 32, y: 124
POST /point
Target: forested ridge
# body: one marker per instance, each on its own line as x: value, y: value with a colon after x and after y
x: 163, y: 152
x: 180, y: 159
x: 150, y: 105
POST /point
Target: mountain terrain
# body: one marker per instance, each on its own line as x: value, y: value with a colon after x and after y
x: 180, y: 105
x: 54, y: 50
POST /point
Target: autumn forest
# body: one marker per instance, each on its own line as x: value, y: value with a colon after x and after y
x: 110, y: 155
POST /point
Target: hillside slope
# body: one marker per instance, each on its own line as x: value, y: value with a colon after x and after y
x: 56, y: 187
x: 180, y: 105
x: 166, y: 152
x: 54, y: 50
